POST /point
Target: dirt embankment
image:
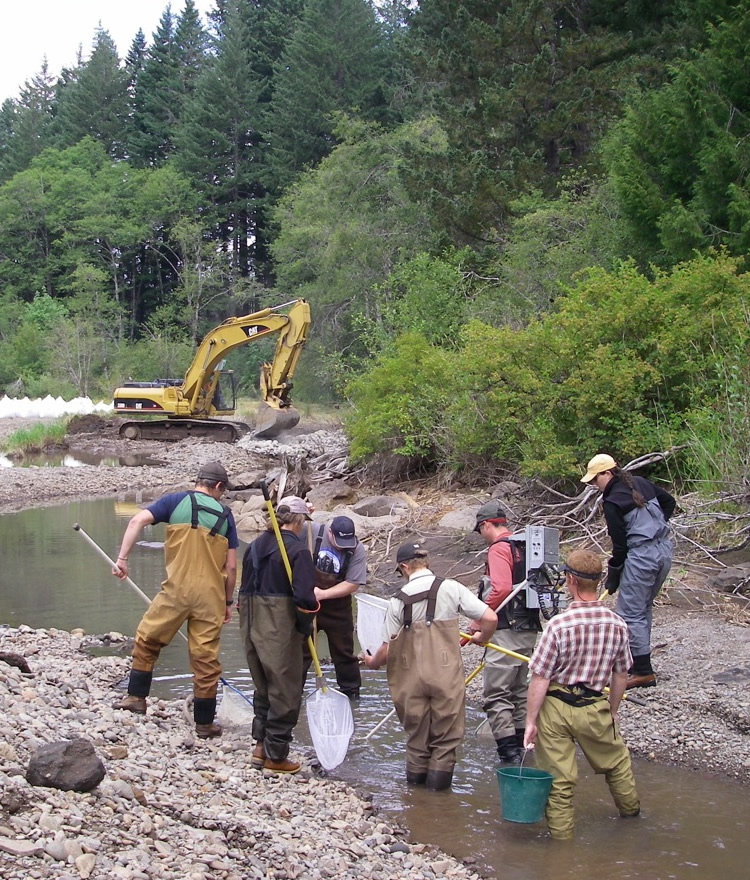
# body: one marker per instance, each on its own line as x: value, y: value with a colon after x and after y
x: 698, y: 715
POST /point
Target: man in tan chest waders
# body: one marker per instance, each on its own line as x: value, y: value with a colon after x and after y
x: 425, y: 669
x: 200, y: 554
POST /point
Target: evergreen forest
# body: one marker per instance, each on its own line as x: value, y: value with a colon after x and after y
x: 522, y: 225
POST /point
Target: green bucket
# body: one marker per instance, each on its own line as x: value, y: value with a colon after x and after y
x: 523, y: 793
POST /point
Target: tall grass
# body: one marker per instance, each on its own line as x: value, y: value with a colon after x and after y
x: 719, y: 434
x: 36, y: 438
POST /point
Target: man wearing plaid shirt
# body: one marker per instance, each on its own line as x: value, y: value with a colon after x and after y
x: 580, y: 652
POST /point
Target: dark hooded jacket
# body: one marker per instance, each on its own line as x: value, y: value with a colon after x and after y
x: 264, y: 573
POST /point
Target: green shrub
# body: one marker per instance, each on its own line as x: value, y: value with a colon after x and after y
x: 398, y: 405
x: 622, y: 364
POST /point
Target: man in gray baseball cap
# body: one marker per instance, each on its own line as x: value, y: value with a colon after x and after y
x: 505, y: 677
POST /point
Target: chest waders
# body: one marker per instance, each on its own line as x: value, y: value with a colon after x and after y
x: 193, y: 591
x: 336, y: 620
x: 426, y: 680
x: 644, y: 572
x: 573, y: 714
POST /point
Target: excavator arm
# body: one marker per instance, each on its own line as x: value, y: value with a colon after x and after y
x: 275, y: 381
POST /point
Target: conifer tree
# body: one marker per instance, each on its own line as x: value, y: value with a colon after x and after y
x: 33, y: 120
x: 219, y: 140
x: 95, y: 100
x: 135, y: 59
x: 334, y: 63
x: 155, y: 97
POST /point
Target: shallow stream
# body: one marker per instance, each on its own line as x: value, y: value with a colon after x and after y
x: 692, y: 825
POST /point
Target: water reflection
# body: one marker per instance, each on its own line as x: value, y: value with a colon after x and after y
x: 692, y: 826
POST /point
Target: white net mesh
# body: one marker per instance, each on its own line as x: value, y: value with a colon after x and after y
x: 234, y: 709
x: 329, y: 717
x: 370, y: 620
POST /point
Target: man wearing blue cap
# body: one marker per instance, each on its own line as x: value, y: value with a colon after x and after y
x: 340, y: 570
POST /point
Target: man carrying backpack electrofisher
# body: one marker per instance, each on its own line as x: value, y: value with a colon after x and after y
x: 505, y: 678
x: 340, y: 570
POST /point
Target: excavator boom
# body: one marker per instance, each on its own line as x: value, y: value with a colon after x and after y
x: 191, y: 407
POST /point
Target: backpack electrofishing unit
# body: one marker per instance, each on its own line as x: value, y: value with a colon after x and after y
x: 538, y: 583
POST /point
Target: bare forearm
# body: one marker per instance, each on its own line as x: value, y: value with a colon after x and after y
x: 616, y: 690
x: 487, y: 625
x: 535, y: 697
x: 345, y: 588
x: 376, y: 660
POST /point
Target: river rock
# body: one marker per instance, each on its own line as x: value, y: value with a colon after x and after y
x: 462, y: 520
x: 328, y: 495
x: 736, y: 578
x: 380, y: 505
x: 70, y: 765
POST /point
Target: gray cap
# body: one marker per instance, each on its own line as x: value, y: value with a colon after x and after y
x: 213, y: 472
x: 493, y: 511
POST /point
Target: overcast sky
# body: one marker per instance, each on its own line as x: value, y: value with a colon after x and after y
x: 56, y: 28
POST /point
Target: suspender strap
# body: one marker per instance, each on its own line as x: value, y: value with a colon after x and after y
x: 221, y: 515
x: 430, y: 595
x: 318, y: 541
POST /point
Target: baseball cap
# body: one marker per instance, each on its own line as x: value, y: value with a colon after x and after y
x: 409, y: 551
x: 213, y: 472
x: 491, y: 510
x: 597, y: 465
x: 342, y: 529
x: 294, y: 504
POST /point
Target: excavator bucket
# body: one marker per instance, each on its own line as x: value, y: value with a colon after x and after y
x: 270, y: 421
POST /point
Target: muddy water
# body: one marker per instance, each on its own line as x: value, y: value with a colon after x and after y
x: 692, y: 826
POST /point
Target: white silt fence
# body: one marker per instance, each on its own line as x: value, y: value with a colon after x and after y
x: 50, y: 407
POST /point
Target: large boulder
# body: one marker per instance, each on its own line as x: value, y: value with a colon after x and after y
x: 327, y: 496
x: 381, y: 505
x: 462, y: 520
x: 734, y: 579
x: 70, y: 765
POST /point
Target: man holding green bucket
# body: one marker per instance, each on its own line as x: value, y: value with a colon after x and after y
x: 580, y: 651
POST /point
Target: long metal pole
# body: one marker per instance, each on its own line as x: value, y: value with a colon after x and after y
x: 133, y: 586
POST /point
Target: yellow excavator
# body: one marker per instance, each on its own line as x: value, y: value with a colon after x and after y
x: 193, y: 407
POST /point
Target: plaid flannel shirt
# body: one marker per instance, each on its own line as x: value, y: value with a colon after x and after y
x: 583, y: 645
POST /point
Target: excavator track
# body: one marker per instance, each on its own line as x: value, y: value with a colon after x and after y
x: 182, y: 429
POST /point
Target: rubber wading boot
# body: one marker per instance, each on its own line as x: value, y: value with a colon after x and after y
x: 416, y: 777
x: 258, y: 758
x: 641, y: 673
x: 282, y: 766
x: 507, y: 750
x: 520, y: 733
x: 208, y: 731
x: 438, y: 780
x: 131, y: 704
